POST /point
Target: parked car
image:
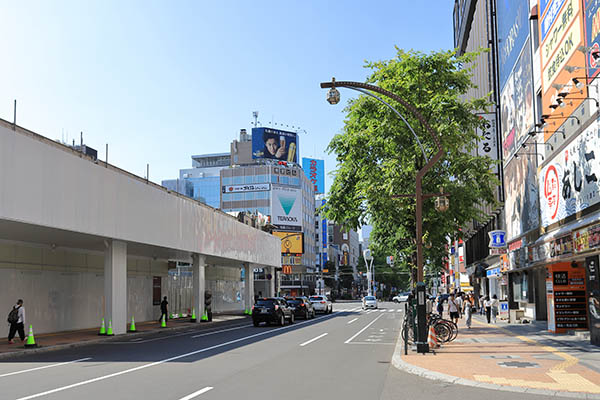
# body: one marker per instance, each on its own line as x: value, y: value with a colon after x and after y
x: 321, y: 304
x: 301, y: 306
x: 401, y: 297
x: 369, y: 302
x: 272, y: 310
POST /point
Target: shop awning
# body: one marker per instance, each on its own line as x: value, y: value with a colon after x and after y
x: 571, y: 226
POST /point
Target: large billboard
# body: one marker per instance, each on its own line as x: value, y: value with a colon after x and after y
x: 291, y: 242
x: 274, y: 144
x: 522, y: 202
x: 286, y: 208
x: 562, y: 33
x: 315, y: 171
x: 592, y: 35
x: 517, y: 104
x: 513, y: 31
x: 569, y: 183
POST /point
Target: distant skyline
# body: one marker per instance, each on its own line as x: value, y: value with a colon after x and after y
x: 161, y: 82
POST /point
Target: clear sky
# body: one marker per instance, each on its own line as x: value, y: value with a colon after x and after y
x: 162, y: 80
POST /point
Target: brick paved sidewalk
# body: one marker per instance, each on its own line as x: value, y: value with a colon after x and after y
x: 60, y: 340
x: 518, y: 356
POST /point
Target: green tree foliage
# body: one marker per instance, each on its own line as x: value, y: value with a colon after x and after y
x: 378, y: 156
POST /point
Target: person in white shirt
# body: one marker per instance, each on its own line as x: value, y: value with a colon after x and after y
x: 18, y: 326
x: 494, y: 303
x: 453, y: 309
x: 488, y: 308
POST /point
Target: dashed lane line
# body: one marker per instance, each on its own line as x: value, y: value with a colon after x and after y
x: 313, y: 339
x: 44, y: 367
x: 349, y: 322
x: 198, y: 393
x: 363, y: 329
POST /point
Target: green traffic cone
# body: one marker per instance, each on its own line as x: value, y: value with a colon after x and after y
x: 193, y: 319
x: 109, y: 331
x: 163, y: 322
x: 30, y: 339
x: 204, y: 316
x: 132, y: 325
x: 102, y: 329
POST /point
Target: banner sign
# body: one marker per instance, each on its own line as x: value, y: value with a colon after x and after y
x: 286, y: 208
x: 274, y: 144
x: 550, y: 17
x: 251, y: 187
x: 522, y: 200
x: 315, y: 171
x: 513, y: 31
x: 592, y: 36
x: 487, y: 144
x: 569, y: 183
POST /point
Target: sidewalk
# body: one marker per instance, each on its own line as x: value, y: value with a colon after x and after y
x: 514, y: 357
x: 62, y: 340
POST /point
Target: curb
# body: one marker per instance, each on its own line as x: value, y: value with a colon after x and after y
x: 438, y: 376
x: 46, y: 349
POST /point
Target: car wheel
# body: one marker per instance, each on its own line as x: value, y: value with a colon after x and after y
x: 292, y: 318
x: 282, y: 320
x: 256, y: 323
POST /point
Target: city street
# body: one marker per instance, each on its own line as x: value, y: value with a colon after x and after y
x: 345, y: 355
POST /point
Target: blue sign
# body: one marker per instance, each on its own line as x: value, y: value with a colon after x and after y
x: 315, y: 172
x: 550, y: 17
x: 542, y: 4
x: 493, y: 272
x: 592, y: 36
x: 274, y: 144
x: 513, y: 31
x: 504, y: 306
x: 497, y: 239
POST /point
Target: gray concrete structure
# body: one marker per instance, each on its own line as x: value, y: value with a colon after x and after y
x: 82, y: 225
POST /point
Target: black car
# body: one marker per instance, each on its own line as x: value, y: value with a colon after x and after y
x: 269, y: 309
x: 301, y: 306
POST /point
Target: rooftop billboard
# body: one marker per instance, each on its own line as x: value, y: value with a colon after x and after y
x: 274, y: 144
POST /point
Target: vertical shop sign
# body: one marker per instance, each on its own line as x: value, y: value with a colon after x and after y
x: 567, y: 299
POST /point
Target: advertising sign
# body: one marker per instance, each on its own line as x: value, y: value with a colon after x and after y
x: 513, y: 31
x: 569, y: 183
x: 562, y: 34
x: 274, y: 144
x: 592, y: 35
x: 497, y: 239
x: 251, y: 187
x: 522, y: 201
x: 517, y: 104
x: 487, y: 145
x: 286, y: 208
x: 567, y: 299
x: 593, y: 295
x: 315, y: 171
x: 586, y: 239
x: 291, y: 242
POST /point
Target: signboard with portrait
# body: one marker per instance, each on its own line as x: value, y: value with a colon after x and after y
x: 286, y: 208
x: 522, y: 201
x: 562, y: 33
x: 274, y: 144
x: 569, y: 183
x: 291, y: 242
x: 517, y: 104
x: 315, y: 172
x: 513, y: 31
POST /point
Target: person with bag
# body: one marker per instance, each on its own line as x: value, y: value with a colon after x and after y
x: 494, y: 307
x: 16, y: 319
x: 468, y: 307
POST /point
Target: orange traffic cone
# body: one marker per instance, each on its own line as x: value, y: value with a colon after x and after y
x: 432, y: 338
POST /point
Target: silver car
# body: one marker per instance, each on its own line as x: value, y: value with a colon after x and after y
x: 321, y: 304
x: 369, y: 302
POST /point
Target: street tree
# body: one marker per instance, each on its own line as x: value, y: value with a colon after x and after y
x: 378, y: 157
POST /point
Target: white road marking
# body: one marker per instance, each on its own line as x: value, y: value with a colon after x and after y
x: 390, y: 310
x: 44, y: 367
x: 136, y: 340
x: 355, y: 309
x: 398, y: 310
x: 349, y: 322
x: 223, y: 330
x: 166, y: 337
x: 363, y: 329
x: 101, y: 378
x: 382, y: 311
x: 313, y: 339
x: 198, y: 393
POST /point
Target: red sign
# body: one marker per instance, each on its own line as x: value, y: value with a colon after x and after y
x: 551, y: 190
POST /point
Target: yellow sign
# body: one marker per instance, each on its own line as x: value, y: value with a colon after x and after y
x: 291, y: 242
x: 566, y: 48
x: 287, y: 269
x: 325, y: 271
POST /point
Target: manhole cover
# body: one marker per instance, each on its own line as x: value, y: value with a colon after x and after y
x: 518, y: 364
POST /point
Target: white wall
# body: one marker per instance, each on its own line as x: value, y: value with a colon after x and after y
x: 63, y: 289
x: 45, y: 183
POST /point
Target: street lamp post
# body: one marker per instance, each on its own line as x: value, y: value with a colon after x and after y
x: 368, y: 257
x: 333, y: 97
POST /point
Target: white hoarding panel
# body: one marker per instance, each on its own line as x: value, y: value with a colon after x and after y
x: 286, y: 208
x: 569, y: 183
x: 251, y: 187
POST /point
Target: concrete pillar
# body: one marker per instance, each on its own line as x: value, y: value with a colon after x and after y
x: 199, y: 283
x: 272, y: 291
x: 115, y: 285
x: 249, y: 285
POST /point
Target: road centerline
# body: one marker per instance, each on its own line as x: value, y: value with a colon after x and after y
x: 363, y: 329
x: 223, y: 330
x: 313, y: 339
x: 351, y: 321
x: 197, y: 393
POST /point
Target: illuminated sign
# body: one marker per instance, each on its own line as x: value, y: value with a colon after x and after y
x: 291, y: 242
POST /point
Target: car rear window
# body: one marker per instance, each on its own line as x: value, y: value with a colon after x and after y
x: 369, y: 298
x: 316, y: 298
x: 294, y: 301
x: 267, y: 303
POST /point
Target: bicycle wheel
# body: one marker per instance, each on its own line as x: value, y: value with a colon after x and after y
x: 442, y: 331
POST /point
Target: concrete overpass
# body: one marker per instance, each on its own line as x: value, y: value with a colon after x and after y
x: 54, y: 199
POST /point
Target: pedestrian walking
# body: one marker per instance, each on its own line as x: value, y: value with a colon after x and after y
x: 468, y: 307
x: 440, y: 306
x: 488, y: 309
x: 494, y: 305
x: 16, y: 319
x: 164, y: 309
x: 453, y: 309
x: 481, y: 304
x: 459, y: 303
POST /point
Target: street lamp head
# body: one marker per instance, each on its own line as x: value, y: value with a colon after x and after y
x: 367, y: 255
x: 333, y: 95
x: 441, y: 202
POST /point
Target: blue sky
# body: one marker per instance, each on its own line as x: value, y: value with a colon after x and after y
x: 159, y: 81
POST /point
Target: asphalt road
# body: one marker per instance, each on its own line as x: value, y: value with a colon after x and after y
x: 345, y: 355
